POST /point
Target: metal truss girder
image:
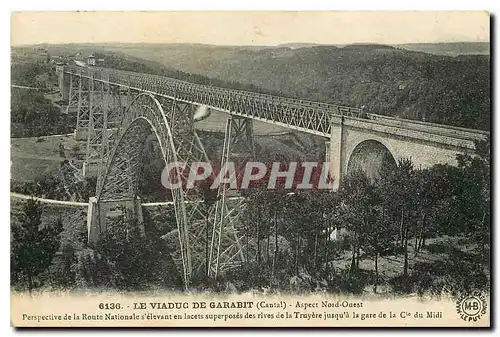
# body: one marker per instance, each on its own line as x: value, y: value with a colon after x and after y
x: 308, y: 116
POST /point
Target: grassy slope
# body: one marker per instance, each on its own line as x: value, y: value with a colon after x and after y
x: 31, y: 159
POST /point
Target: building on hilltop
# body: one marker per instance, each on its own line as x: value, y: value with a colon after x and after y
x: 91, y: 60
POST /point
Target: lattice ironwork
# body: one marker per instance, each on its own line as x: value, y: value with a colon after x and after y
x: 113, y: 114
x: 179, y: 143
x: 74, y: 94
x: 118, y: 109
x: 97, y: 103
x: 308, y: 116
x: 226, y: 247
x: 83, y: 113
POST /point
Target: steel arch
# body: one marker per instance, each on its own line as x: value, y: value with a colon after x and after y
x: 119, y: 181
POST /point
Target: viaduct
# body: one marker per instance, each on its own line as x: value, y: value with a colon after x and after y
x: 117, y: 110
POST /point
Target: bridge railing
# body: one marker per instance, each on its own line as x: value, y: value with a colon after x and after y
x: 309, y: 116
x: 301, y: 114
x: 449, y: 130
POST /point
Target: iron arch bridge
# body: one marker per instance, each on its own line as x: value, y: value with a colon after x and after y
x: 116, y: 110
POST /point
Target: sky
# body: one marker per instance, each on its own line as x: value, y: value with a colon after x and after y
x: 249, y: 28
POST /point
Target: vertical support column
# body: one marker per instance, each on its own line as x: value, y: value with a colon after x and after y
x: 64, y: 83
x: 129, y: 96
x: 100, y: 211
x: 242, y: 139
x: 73, y: 95
x: 97, y: 128
x: 114, y: 115
x: 88, y: 169
x: 337, y: 151
x: 327, y: 151
x: 93, y: 221
x: 105, y: 147
x: 83, y: 113
x: 226, y: 248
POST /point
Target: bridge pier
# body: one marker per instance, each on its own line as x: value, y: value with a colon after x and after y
x: 82, y: 133
x: 226, y: 245
x: 336, y: 150
x: 64, y: 83
x: 99, y: 213
x: 90, y: 169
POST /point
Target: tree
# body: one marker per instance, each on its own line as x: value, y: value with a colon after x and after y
x: 137, y: 260
x: 276, y: 205
x: 431, y: 191
x: 476, y: 170
x: 397, y: 189
x: 332, y: 219
x: 299, y: 223
x: 62, y: 271
x: 256, y: 217
x: 33, y: 244
x: 360, y: 213
x: 469, y: 197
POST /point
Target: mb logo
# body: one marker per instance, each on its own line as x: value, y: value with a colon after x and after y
x: 472, y: 307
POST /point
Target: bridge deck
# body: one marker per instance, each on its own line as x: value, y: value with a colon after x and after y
x: 307, y: 116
